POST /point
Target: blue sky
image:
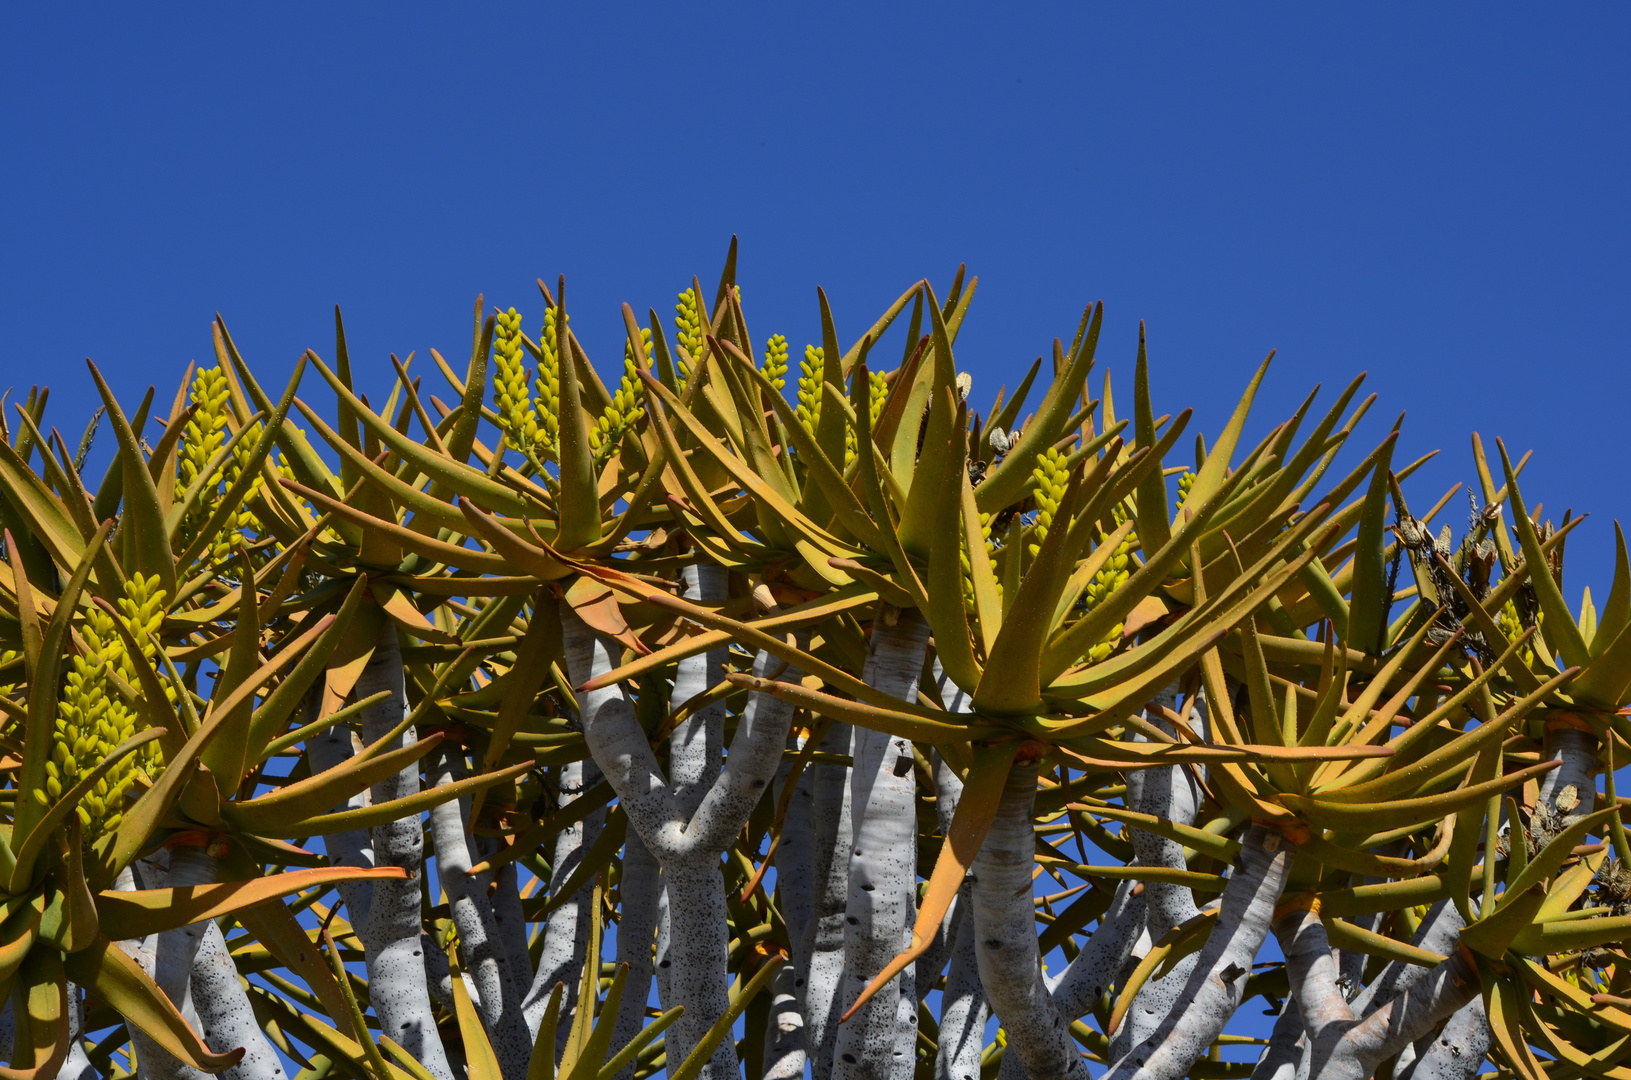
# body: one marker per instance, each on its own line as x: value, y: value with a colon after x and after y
x: 1434, y: 194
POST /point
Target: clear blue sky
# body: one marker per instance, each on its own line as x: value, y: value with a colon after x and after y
x: 1435, y: 193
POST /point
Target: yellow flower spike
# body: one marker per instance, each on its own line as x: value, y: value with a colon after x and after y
x: 546, y: 387
x: 689, y: 328
x: 809, y: 388
x: 511, y: 399
x: 91, y: 720
x: 1052, y: 476
x: 774, y: 367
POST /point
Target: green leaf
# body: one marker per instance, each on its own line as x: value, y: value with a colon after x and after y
x: 1400, y: 813
x: 116, y: 979
x: 579, y: 496
x: 1558, y: 627
x: 143, y: 517
x: 1005, y: 484
x: 367, y: 817
x: 1368, y: 599
x: 1154, y: 527
x: 138, y: 913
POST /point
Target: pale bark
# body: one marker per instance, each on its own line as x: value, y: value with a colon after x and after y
x: 390, y: 934
x: 1284, y: 1053
x: 637, y: 895
x: 77, y: 1065
x: 963, y: 1007
x: 152, y: 1061
x: 786, y: 1049
x: 226, y: 1018
x: 882, y: 859
x: 694, y: 954
x: 1457, y: 1053
x: 1172, y: 793
x: 480, y: 943
x: 785, y: 1054
x: 1217, y: 981
x: 1088, y: 977
x: 825, y: 931
x: 1005, y: 929
x: 566, y: 932
x: 1341, y: 1045
x: 1571, y: 788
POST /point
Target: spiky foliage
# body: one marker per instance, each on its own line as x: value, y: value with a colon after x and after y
x: 1394, y: 777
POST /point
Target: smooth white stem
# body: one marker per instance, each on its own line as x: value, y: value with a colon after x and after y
x: 785, y: 1054
x: 825, y: 931
x: 882, y: 858
x: 1217, y: 983
x: 1458, y: 1051
x: 1086, y: 979
x: 566, y: 932
x: 176, y: 949
x: 480, y: 943
x: 1571, y: 788
x: 698, y: 741
x: 329, y: 749
x: 637, y: 895
x: 1343, y: 1047
x: 397, y: 985
x: 963, y: 1008
x: 1280, y: 1058
x: 1439, y: 932
x: 226, y: 1017
x: 152, y: 1061
x: 1005, y: 930
x: 1173, y: 793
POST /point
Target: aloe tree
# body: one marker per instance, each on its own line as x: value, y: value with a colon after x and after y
x: 991, y: 694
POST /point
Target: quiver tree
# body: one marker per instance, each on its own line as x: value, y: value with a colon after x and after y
x: 860, y: 717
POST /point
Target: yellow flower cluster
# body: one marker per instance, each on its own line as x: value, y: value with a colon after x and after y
x: 201, y: 439
x: 1185, y: 481
x: 1052, y: 474
x: 775, y: 363
x: 626, y: 408
x: 809, y: 388
x: 511, y: 399
x: 1510, y: 625
x: 1111, y: 576
x: 546, y: 388
x: 690, y: 329
x: 92, y: 719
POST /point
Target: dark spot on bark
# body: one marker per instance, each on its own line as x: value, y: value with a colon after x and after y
x: 903, y: 765
x: 665, y: 963
x: 853, y: 921
x: 992, y: 943
x: 1231, y: 973
x: 758, y: 783
x: 857, y: 853
x: 849, y: 1059
x: 406, y: 1024
x: 416, y: 952
x: 867, y: 888
x: 798, y: 982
